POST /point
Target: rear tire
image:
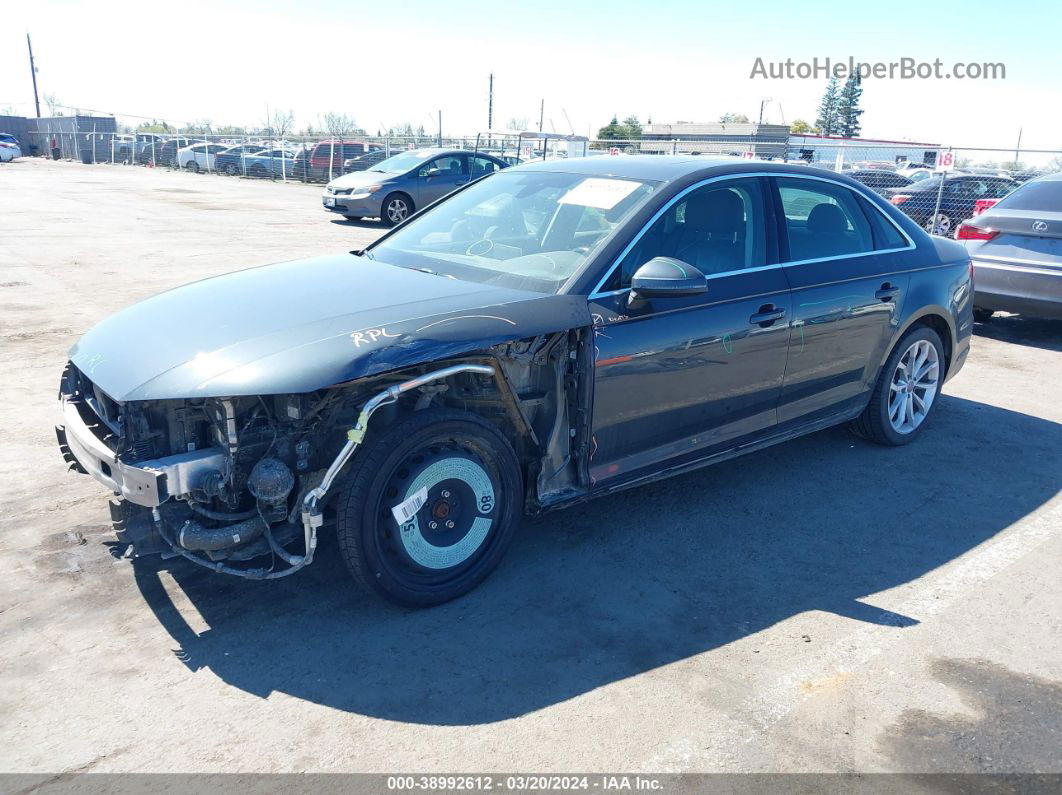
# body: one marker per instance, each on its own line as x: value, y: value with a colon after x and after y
x: 906, y: 390
x: 193, y: 167
x: 449, y: 545
x: 942, y: 224
x: 232, y: 169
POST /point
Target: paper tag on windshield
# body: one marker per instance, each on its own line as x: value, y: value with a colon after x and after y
x: 407, y: 509
x: 604, y: 194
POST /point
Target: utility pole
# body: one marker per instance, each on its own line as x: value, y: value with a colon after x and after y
x: 33, y: 73
x: 541, y: 114
x: 763, y: 104
x: 1017, y: 148
x: 440, y: 129
x: 490, y: 103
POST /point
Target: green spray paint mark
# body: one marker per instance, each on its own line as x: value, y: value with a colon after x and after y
x: 728, y: 344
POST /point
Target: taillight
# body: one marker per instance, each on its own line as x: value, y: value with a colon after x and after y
x: 983, y: 204
x: 900, y: 199
x: 968, y: 231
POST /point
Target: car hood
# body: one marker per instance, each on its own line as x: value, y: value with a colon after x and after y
x: 304, y: 325
x: 357, y: 179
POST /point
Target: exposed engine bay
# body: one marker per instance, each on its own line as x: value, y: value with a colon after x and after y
x: 240, y: 484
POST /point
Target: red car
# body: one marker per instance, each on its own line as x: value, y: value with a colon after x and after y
x: 324, y: 160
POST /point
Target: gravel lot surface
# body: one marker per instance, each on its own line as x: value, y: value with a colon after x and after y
x: 825, y: 605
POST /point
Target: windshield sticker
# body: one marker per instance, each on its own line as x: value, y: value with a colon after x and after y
x: 371, y: 335
x: 602, y: 194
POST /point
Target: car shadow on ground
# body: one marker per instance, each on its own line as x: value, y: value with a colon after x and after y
x: 364, y: 223
x: 627, y: 583
x: 1032, y: 331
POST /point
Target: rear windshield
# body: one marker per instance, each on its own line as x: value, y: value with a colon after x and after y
x: 1045, y: 195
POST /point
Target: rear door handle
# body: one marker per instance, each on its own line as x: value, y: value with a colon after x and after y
x: 767, y: 315
x: 887, y: 292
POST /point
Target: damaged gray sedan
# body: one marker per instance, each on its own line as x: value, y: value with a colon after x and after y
x: 547, y: 334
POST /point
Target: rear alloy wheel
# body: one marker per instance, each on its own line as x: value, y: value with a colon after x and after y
x: 193, y: 166
x: 906, y: 390
x: 232, y: 169
x: 940, y: 224
x: 396, y: 208
x: 431, y: 507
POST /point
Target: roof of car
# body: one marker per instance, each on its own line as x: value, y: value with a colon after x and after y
x: 664, y: 168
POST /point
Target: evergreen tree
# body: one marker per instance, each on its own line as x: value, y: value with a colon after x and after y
x: 610, y: 130
x: 848, y: 110
x: 631, y: 128
x: 827, y: 122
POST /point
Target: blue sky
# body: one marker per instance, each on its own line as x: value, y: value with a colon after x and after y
x: 386, y: 64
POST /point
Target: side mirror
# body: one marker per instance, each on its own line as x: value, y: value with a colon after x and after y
x: 667, y: 276
x: 432, y: 172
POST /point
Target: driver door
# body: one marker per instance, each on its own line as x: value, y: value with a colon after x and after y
x: 679, y: 378
x: 439, y: 177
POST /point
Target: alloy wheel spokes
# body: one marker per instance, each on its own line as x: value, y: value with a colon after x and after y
x: 913, y: 386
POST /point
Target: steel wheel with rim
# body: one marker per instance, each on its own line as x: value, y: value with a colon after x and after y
x: 913, y: 386
x: 396, y: 209
x: 430, y: 508
x: 906, y: 389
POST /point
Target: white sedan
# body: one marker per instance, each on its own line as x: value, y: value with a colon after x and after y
x: 199, y: 156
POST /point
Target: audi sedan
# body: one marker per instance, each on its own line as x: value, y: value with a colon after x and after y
x: 395, y: 188
x: 550, y: 333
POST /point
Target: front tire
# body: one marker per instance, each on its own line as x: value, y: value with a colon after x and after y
x: 906, y: 390
x: 396, y: 208
x: 193, y: 167
x: 459, y: 481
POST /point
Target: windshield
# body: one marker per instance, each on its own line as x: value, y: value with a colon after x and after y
x: 529, y: 230
x: 400, y: 164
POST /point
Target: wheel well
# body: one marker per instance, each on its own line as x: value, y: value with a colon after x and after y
x: 401, y: 193
x: 939, y: 325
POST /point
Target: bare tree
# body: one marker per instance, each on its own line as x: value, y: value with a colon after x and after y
x: 518, y: 123
x: 52, y: 102
x: 338, y: 125
x: 280, y: 124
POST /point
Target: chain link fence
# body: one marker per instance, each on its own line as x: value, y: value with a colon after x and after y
x: 937, y: 186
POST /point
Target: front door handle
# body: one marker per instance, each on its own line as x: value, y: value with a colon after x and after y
x: 887, y: 292
x: 767, y: 315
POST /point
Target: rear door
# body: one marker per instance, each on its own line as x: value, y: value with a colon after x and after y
x: 846, y: 294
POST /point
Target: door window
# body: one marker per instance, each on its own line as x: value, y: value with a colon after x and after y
x: 447, y: 166
x: 823, y: 220
x: 718, y: 228
x: 482, y: 166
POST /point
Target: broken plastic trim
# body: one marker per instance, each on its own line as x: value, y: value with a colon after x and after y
x: 312, y: 518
